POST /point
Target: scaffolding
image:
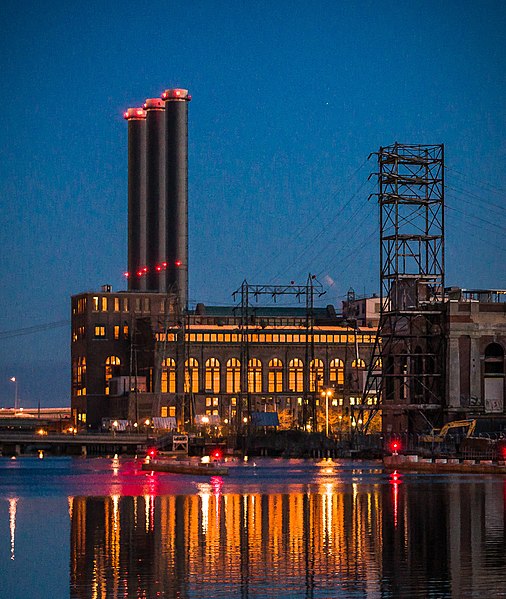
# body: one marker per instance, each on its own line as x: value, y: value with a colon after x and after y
x: 407, y: 370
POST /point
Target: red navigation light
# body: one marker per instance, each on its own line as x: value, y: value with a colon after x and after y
x: 217, y: 455
x: 395, y: 445
x: 139, y: 273
x: 152, y: 452
x: 164, y: 264
x: 158, y: 268
x: 125, y: 115
x: 126, y: 274
x: 145, y: 269
x: 178, y: 262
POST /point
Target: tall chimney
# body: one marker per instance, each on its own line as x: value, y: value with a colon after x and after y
x: 176, y: 189
x: 137, y: 257
x: 155, y: 193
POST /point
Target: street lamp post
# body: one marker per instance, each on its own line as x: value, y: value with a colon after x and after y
x: 327, y: 393
x: 14, y: 380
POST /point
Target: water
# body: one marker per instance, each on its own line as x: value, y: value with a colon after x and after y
x: 86, y: 528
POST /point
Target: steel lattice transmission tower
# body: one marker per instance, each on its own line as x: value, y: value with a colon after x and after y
x: 408, y: 367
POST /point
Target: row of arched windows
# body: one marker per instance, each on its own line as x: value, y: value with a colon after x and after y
x: 275, y: 375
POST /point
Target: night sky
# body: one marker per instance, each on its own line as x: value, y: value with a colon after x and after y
x: 289, y: 100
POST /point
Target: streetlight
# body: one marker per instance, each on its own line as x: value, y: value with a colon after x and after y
x: 14, y: 380
x: 327, y: 393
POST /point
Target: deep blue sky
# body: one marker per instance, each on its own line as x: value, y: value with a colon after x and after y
x: 289, y: 99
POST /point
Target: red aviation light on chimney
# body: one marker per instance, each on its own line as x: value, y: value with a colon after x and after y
x: 126, y: 275
x: 176, y: 94
x: 178, y: 263
x: 158, y: 268
x: 154, y: 104
x: 134, y: 114
x: 164, y: 264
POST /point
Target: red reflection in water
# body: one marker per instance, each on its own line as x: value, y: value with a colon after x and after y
x: 395, y: 480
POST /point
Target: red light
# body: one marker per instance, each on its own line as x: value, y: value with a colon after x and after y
x: 178, y: 262
x: 145, y: 269
x: 152, y: 452
x: 126, y: 274
x: 217, y: 454
x: 178, y: 93
x: 158, y: 268
x: 139, y: 273
x: 140, y: 112
x: 395, y: 446
x: 164, y: 264
x: 164, y: 95
x: 125, y: 115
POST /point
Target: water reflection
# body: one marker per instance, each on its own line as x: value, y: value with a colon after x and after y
x: 341, y: 539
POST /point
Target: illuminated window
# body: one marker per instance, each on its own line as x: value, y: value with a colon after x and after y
x: 275, y: 376
x: 296, y: 375
x: 233, y: 376
x: 125, y: 331
x: 94, y: 303
x: 168, y: 380
x: 112, y: 369
x: 212, y: 374
x: 216, y: 401
x: 233, y: 401
x: 99, y: 331
x: 358, y: 364
x: 336, y: 372
x: 315, y: 375
x: 254, y: 376
x: 81, y: 305
x: 116, y: 304
x: 172, y: 411
x: 116, y: 332
x: 163, y: 411
x: 125, y: 304
x: 191, y: 376
x: 103, y: 302
x: 208, y: 402
x: 79, y: 375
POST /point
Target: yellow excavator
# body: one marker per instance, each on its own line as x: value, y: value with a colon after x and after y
x: 439, y: 435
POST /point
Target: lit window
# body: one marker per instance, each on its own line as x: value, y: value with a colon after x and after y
x: 315, y: 375
x: 94, y: 303
x: 125, y: 331
x: 125, y: 304
x: 116, y: 332
x: 296, y: 375
x: 99, y: 331
x: 275, y: 376
x: 215, y: 401
x: 254, y: 376
x: 336, y: 372
x: 163, y: 411
x: 208, y: 402
x: 168, y: 381
x: 233, y: 376
x: 215, y: 413
x: 172, y: 411
x: 116, y: 304
x: 112, y: 369
x: 103, y: 304
x: 233, y: 401
x: 191, y: 384
x: 212, y: 373
x: 358, y: 364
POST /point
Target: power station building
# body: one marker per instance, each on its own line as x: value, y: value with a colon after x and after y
x: 141, y: 355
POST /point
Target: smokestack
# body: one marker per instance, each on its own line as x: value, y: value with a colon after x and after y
x: 137, y: 258
x: 155, y: 193
x: 176, y: 189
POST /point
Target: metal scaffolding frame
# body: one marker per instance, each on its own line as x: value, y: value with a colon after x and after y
x: 407, y: 369
x: 308, y: 292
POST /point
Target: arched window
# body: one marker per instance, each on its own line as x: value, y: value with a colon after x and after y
x: 275, y: 376
x: 112, y: 368
x: 168, y: 384
x: 336, y: 372
x: 358, y: 364
x: 212, y: 371
x: 191, y: 376
x: 233, y: 376
x: 254, y: 376
x: 315, y: 375
x: 296, y: 375
x: 494, y: 359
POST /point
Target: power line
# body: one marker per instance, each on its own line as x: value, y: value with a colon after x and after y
x: 33, y: 329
